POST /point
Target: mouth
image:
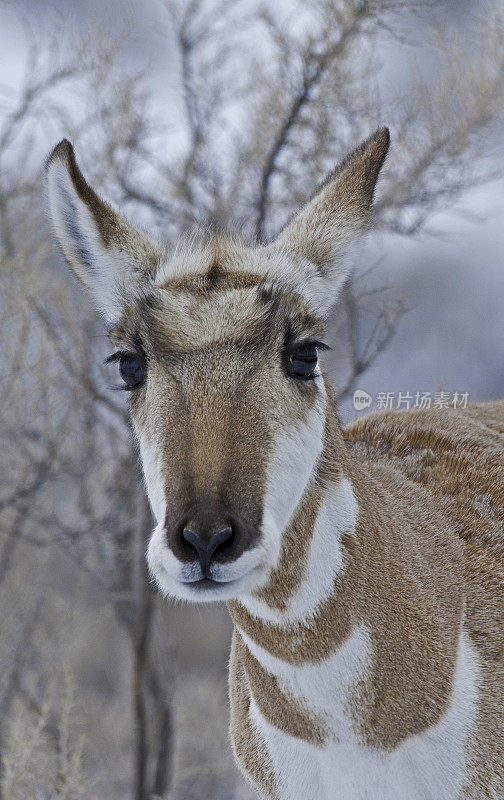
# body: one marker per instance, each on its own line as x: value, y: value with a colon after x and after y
x: 207, y: 583
x: 189, y: 581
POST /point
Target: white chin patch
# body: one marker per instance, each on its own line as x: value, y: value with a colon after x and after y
x: 179, y: 579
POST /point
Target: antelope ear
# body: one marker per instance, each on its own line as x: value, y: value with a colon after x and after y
x: 321, y: 237
x: 108, y: 254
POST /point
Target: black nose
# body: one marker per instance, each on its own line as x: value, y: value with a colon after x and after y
x: 205, y: 548
x: 209, y: 533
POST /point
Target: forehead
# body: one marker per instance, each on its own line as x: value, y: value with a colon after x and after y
x: 214, y: 295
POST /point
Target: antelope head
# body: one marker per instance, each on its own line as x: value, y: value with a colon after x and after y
x: 217, y: 343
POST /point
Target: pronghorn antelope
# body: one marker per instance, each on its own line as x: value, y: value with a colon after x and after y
x: 363, y: 567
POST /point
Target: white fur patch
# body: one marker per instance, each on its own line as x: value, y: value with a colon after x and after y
x: 319, y: 290
x: 289, y: 471
x: 428, y: 766
x: 232, y: 570
x: 177, y: 579
x: 297, y: 772
x: 323, y: 687
x: 336, y: 516
x: 151, y: 464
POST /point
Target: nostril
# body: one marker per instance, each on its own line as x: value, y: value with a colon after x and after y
x: 193, y: 540
x: 220, y: 540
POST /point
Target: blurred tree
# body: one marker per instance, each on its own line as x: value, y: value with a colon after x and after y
x: 270, y: 99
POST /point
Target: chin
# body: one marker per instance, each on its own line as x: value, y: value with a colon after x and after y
x: 205, y: 591
x: 180, y: 581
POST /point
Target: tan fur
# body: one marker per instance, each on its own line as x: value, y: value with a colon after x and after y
x: 250, y: 749
x: 343, y: 200
x: 275, y: 704
x: 420, y: 476
x: 458, y: 455
x: 291, y: 569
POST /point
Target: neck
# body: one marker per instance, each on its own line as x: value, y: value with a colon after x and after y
x: 342, y: 598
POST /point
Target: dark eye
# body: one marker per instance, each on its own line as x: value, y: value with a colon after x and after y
x: 302, y: 361
x: 132, y: 368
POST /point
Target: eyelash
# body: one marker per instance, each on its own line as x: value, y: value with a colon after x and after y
x: 118, y: 355
x: 311, y: 343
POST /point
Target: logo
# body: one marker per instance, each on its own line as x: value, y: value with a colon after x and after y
x: 389, y: 401
x: 361, y: 400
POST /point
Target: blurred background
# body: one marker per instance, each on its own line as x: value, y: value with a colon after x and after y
x: 194, y: 113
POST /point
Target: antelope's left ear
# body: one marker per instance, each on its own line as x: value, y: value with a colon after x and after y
x: 108, y: 254
x: 321, y: 237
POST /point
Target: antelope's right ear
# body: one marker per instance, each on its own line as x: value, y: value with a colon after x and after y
x: 108, y: 254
